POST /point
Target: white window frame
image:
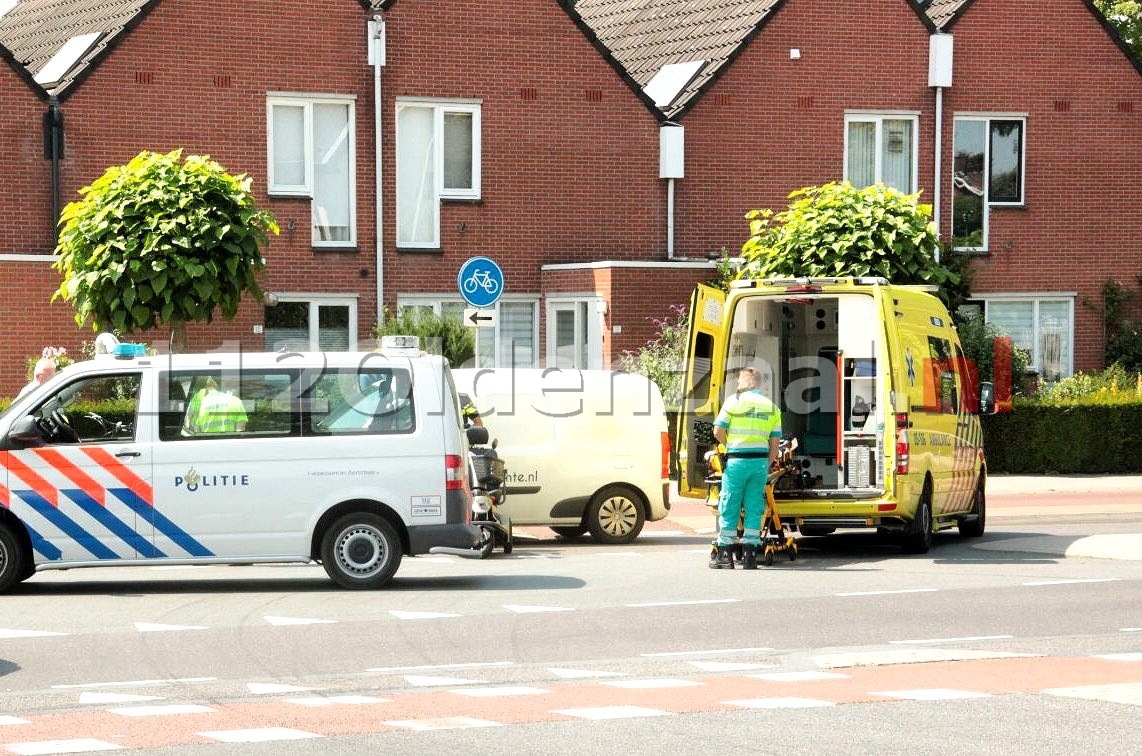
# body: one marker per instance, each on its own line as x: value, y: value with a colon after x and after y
x: 1037, y: 299
x: 485, y: 343
x: 316, y: 301
x: 306, y: 187
x: 878, y: 118
x: 440, y: 108
x: 986, y: 119
x: 590, y: 327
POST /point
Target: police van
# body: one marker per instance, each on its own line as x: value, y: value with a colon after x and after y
x: 872, y: 381
x: 350, y: 459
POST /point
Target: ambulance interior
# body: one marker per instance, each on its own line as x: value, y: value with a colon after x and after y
x: 819, y: 360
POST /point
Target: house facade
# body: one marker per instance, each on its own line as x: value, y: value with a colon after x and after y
x: 602, y: 152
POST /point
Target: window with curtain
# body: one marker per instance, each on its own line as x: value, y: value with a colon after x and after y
x: 437, y: 157
x: 311, y: 154
x: 881, y: 149
x: 305, y: 324
x: 1043, y: 326
x: 511, y: 342
x: 987, y: 170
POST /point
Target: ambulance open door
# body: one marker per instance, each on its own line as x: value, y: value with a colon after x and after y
x: 702, y: 381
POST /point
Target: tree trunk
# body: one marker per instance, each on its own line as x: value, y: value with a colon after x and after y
x: 178, y: 337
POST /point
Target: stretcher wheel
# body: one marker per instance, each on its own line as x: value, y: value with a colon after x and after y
x: 792, y: 553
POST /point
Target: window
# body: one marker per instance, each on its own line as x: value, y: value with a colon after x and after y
x: 368, y: 400
x: 574, y: 334
x: 1042, y: 326
x: 512, y: 342
x: 987, y: 171
x: 311, y: 154
x: 438, y: 157
x: 881, y: 149
x: 199, y: 404
x: 98, y: 409
x: 305, y: 324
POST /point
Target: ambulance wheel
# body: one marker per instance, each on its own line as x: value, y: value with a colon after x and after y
x: 570, y: 532
x: 919, y: 538
x: 14, y: 561
x: 487, y: 542
x: 973, y: 528
x: 360, y: 551
x: 615, y: 515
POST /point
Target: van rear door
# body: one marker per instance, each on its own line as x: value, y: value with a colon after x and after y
x: 701, y: 388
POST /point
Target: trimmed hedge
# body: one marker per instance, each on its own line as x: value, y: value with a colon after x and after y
x: 1065, y: 438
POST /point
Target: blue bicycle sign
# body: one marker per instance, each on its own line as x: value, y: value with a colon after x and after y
x: 481, y: 282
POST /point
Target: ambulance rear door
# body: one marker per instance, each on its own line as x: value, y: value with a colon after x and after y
x: 701, y: 388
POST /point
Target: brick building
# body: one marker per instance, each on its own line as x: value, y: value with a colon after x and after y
x: 601, y: 151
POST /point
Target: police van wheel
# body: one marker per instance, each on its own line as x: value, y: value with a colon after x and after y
x: 13, y: 560
x: 360, y: 551
x: 615, y: 515
x: 919, y: 538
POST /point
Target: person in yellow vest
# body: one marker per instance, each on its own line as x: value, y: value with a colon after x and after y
x: 214, y: 411
x: 749, y: 425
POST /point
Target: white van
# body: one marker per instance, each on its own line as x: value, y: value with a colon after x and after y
x: 348, y: 459
x: 586, y: 450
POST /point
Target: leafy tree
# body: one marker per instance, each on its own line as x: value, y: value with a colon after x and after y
x: 1126, y: 17
x: 161, y: 241
x: 839, y: 230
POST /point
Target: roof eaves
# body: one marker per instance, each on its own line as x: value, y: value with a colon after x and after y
x: 23, y: 73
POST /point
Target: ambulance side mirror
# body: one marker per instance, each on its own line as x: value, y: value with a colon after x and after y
x: 987, y: 398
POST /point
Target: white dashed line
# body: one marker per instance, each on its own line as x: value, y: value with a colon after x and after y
x: 888, y: 593
x: 6, y: 633
x: 7, y: 720
x: 1130, y: 657
x: 1123, y: 693
x: 1071, y: 582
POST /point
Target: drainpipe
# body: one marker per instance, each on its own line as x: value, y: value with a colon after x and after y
x: 671, y: 165
x: 939, y: 77
x: 53, y: 151
x: 377, y: 61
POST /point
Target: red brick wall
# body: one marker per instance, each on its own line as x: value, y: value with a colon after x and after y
x: 1083, y: 103
x: 25, y: 189
x: 772, y: 124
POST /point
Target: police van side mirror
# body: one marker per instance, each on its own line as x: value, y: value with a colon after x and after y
x: 987, y: 398
x: 25, y: 434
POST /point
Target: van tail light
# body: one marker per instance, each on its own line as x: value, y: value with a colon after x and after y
x: 455, y: 478
x: 665, y: 454
x: 902, y: 444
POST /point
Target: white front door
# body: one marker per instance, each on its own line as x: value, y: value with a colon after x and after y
x: 574, y: 333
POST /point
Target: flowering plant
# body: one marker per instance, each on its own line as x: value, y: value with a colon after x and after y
x: 58, y: 355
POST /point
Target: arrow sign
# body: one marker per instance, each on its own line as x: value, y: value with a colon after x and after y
x: 478, y: 318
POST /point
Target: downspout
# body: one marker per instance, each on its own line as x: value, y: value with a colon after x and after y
x: 377, y: 61
x: 939, y: 77
x: 53, y: 151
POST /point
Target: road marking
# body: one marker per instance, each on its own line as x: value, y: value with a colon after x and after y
x: 612, y: 712
x: 421, y: 615
x: 710, y: 652
x: 1131, y: 657
x: 161, y: 710
x: 149, y: 627
x: 80, y: 745
x: 1072, y: 582
x: 298, y: 621
x: 1123, y: 693
x: 696, y: 602
x: 500, y: 690
x: 582, y: 673
x: 930, y: 694
x: 258, y: 735
x: 264, y: 689
x: 888, y: 593
x: 461, y: 665
x: 27, y: 633
x: 442, y: 723
x: 780, y: 703
x: 652, y: 683
x: 7, y: 720
x: 519, y: 609
x: 963, y: 639
x: 1132, y: 629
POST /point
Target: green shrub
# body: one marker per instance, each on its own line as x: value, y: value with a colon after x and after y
x: 662, y: 358
x: 978, y: 339
x: 438, y: 335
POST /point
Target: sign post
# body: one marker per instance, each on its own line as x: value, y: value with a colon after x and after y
x: 481, y: 282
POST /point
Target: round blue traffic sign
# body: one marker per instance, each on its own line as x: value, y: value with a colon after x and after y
x: 481, y: 282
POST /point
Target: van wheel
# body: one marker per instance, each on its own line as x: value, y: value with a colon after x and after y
x: 973, y: 528
x: 570, y: 532
x: 360, y: 551
x: 919, y: 537
x: 615, y: 515
x: 14, y: 562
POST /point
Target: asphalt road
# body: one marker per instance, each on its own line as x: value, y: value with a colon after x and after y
x: 992, y: 645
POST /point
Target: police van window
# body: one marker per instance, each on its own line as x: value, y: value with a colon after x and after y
x: 213, y: 404
x: 98, y: 409
x: 361, y: 401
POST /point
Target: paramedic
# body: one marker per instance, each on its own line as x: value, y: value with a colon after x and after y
x: 749, y: 424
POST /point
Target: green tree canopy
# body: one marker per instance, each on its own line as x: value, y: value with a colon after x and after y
x: 161, y: 241
x: 1126, y: 17
x: 839, y: 230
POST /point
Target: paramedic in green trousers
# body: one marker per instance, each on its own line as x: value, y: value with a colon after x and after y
x: 750, y: 427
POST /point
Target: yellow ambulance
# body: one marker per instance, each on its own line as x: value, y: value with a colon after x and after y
x: 873, y: 383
